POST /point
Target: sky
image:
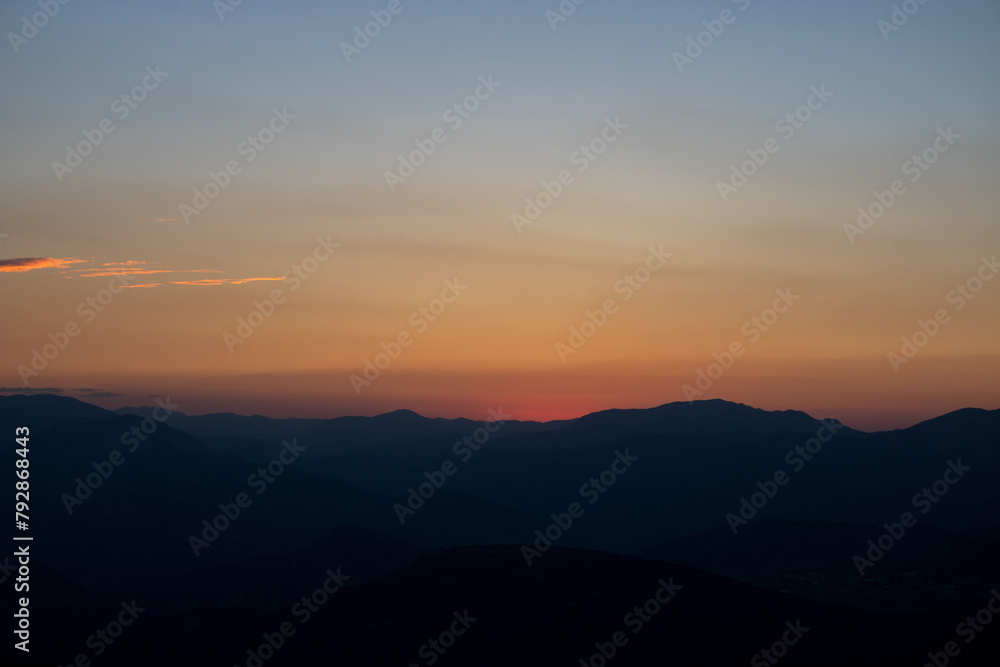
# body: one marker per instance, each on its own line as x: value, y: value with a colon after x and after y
x: 651, y: 176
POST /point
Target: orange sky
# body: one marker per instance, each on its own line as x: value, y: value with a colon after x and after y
x: 622, y: 153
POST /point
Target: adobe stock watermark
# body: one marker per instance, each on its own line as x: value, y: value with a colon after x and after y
x: 104, y: 637
x: 968, y: 629
x: 223, y: 7
x: 958, y: 298
x: 584, y: 156
x: 634, y: 621
x: 249, y: 149
x: 103, y: 470
x: 591, y: 491
x: 432, y: 651
x: 302, y: 611
x: 7, y: 570
x: 259, y: 482
x: 627, y: 286
x: 88, y: 310
x: 779, y: 649
x: 22, y: 616
x: 786, y: 126
x: 752, y: 329
x: 915, y: 168
x: 454, y: 116
x: 797, y: 459
x: 562, y: 13
x: 899, y: 17
x: 263, y: 310
x: 697, y: 44
x: 436, y: 479
x: 923, y: 501
x: 30, y: 25
x: 364, y: 34
x: 421, y: 320
x: 122, y: 107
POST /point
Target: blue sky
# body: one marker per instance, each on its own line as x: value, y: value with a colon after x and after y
x: 659, y: 184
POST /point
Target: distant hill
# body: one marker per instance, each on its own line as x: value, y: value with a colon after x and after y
x: 688, y: 465
x: 718, y: 419
x: 139, y: 517
x: 363, y: 554
x: 928, y: 567
x: 228, y: 424
x: 557, y: 612
x: 43, y: 410
x: 965, y: 421
x: 226, y: 432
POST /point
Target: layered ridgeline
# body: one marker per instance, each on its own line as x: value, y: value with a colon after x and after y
x: 219, y: 525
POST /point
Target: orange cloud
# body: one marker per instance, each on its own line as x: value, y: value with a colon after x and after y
x: 220, y: 281
x: 31, y: 263
x: 139, y: 272
x: 130, y: 267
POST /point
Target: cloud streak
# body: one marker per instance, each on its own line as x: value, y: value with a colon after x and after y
x: 206, y: 282
x: 211, y: 282
x: 131, y: 267
x: 140, y: 272
x: 28, y: 390
x: 22, y: 264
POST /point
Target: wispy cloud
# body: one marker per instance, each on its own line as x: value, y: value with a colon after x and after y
x: 27, y: 390
x: 220, y: 281
x: 205, y: 282
x: 132, y: 267
x: 22, y: 264
x: 139, y: 272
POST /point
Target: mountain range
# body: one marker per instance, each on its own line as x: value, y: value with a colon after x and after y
x: 547, y: 533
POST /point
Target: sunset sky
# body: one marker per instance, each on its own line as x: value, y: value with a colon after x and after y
x: 381, y: 251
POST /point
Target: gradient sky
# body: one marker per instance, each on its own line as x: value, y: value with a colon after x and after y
x: 324, y: 176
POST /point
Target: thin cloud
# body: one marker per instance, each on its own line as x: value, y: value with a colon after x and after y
x: 206, y: 282
x: 26, y: 390
x: 142, y: 272
x: 23, y: 264
x: 212, y: 282
x: 132, y: 267
x: 102, y: 394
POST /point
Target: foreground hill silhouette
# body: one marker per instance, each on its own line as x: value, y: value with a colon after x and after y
x: 129, y: 537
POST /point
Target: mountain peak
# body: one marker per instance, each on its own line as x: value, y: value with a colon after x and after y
x: 714, y: 418
x: 43, y: 410
x: 400, y: 414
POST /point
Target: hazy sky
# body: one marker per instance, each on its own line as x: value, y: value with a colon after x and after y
x: 197, y: 87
